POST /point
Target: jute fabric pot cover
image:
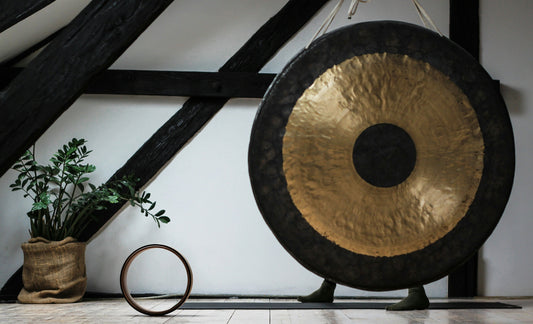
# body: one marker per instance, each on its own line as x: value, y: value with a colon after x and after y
x: 53, y: 271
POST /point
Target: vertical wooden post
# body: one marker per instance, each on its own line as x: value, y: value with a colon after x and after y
x: 464, y: 30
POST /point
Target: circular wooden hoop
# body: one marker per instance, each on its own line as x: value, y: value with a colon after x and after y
x: 124, y: 278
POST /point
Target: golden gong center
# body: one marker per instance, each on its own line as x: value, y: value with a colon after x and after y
x: 318, y: 154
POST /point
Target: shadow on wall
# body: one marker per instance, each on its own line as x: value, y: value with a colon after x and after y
x: 514, y: 99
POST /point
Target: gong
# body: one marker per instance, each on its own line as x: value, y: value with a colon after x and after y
x: 382, y: 156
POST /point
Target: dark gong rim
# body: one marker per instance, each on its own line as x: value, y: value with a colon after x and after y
x: 320, y: 255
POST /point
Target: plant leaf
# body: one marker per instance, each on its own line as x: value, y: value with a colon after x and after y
x: 164, y: 219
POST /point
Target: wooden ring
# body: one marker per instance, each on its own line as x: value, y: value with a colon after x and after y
x: 124, y: 277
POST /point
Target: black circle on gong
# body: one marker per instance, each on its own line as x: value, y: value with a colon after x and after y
x: 384, y: 155
x: 316, y: 252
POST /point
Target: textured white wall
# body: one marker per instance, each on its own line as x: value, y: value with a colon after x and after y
x: 205, y: 188
x: 506, y: 261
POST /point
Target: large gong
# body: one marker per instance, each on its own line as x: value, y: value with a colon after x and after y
x: 382, y: 156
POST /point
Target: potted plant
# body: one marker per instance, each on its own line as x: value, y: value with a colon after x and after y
x: 64, y: 202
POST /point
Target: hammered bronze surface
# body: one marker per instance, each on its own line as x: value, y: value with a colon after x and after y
x: 382, y: 156
x: 331, y: 114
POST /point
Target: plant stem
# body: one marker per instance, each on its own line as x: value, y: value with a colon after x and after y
x: 56, y: 215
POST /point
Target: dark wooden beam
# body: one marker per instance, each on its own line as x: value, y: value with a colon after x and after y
x: 12, y: 286
x: 7, y: 75
x: 30, y: 50
x: 464, y: 25
x: 188, y: 84
x: 464, y: 30
x: 56, y: 77
x: 13, y: 11
x: 196, y: 112
x: 170, y: 83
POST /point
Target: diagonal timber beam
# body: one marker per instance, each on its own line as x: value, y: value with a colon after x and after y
x: 56, y: 77
x: 13, y: 11
x: 196, y: 112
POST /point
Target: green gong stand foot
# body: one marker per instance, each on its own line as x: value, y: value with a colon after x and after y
x: 324, y: 294
x: 416, y: 299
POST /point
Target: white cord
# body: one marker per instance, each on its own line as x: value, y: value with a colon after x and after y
x: 424, y: 16
x: 353, y: 7
x: 329, y: 19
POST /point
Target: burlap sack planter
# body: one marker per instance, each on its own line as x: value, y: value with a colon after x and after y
x: 53, y: 271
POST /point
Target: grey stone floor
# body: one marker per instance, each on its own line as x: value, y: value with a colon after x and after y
x: 118, y: 311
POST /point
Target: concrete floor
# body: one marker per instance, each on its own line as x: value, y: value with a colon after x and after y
x: 118, y: 311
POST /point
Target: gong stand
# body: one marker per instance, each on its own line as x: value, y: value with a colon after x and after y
x: 462, y: 25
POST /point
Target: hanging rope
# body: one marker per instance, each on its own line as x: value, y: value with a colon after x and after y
x: 424, y: 16
x: 422, y: 13
x: 353, y: 7
x: 329, y: 19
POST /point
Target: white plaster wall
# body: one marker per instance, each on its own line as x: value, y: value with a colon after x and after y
x: 506, y: 261
x: 205, y: 188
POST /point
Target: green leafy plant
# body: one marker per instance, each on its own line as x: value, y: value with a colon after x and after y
x: 64, y: 202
